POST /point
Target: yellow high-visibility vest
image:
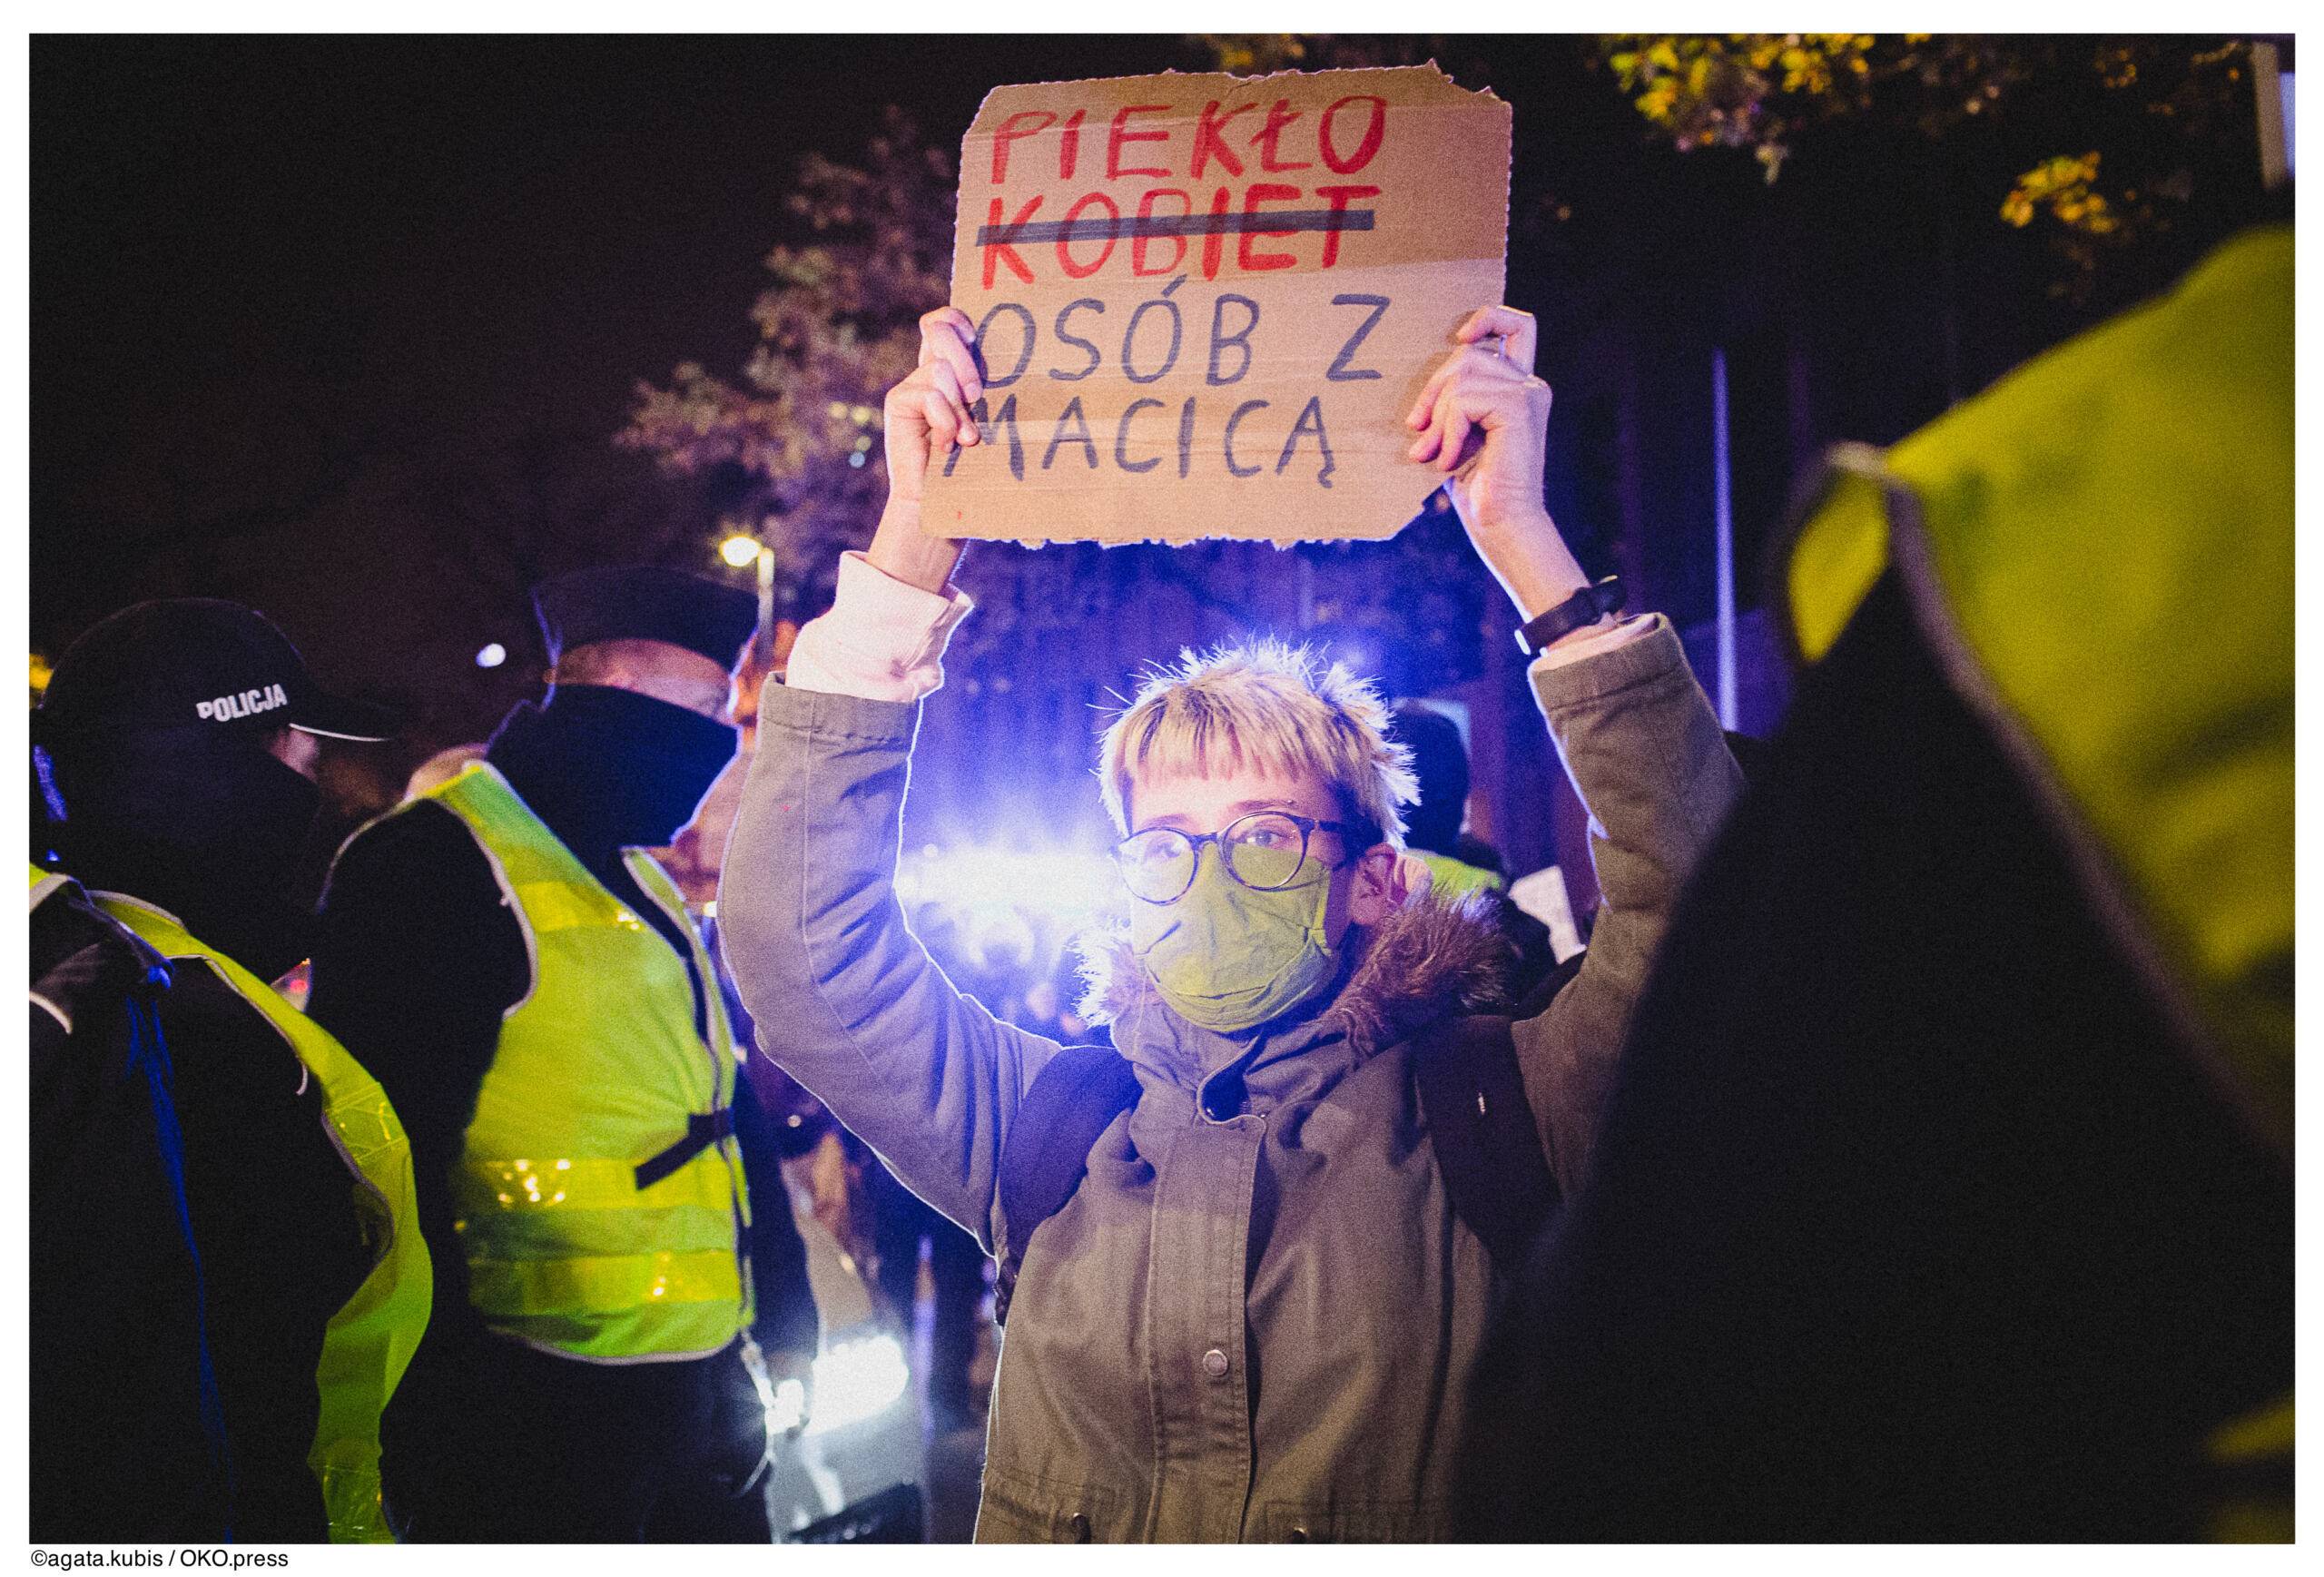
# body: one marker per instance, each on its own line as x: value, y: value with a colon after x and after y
x: 1449, y: 878
x: 598, y: 1070
x: 2099, y: 551
x: 369, y: 1343
x: 2099, y: 548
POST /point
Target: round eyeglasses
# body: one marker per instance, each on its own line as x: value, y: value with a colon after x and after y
x: 1265, y: 851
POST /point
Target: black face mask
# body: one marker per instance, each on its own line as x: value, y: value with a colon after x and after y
x: 202, y: 822
x: 221, y: 797
x: 608, y: 768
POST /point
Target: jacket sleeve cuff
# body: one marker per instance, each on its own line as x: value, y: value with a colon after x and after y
x: 1642, y: 650
x: 880, y: 640
x: 831, y: 716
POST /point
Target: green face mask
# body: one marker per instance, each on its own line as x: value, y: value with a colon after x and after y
x: 1228, y: 958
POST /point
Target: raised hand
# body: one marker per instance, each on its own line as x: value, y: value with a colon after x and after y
x: 1484, y: 421
x: 1483, y: 417
x: 928, y: 413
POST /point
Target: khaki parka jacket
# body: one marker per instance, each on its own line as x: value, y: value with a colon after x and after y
x: 1257, y: 1318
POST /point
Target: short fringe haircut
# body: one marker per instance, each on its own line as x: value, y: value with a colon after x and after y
x: 1268, y: 706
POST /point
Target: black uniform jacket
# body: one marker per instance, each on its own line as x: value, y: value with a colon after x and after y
x: 118, y: 1450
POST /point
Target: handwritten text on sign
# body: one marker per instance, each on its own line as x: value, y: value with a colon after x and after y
x: 1203, y: 303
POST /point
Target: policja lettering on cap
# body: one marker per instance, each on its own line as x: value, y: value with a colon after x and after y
x: 247, y: 704
x: 146, y: 668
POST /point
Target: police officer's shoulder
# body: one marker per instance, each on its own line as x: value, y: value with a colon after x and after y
x: 418, y: 852
x: 221, y: 1046
x: 63, y: 920
x: 413, y: 892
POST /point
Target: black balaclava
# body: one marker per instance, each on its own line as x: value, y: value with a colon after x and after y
x: 609, y: 769
x: 204, y: 824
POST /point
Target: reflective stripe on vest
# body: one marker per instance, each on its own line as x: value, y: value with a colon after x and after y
x: 597, y: 1070
x: 44, y: 884
x: 2099, y: 550
x: 370, y: 1341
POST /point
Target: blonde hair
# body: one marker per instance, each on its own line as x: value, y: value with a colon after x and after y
x: 1268, y: 706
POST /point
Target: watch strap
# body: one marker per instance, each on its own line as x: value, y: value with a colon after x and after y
x: 1585, y: 606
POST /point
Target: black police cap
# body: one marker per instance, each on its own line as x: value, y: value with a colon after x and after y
x: 194, y: 663
x: 645, y: 602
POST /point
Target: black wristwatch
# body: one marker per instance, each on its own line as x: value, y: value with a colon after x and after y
x: 1585, y: 606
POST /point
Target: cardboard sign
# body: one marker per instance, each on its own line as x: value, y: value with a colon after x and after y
x: 1204, y: 302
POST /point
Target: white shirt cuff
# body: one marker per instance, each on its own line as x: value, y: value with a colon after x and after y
x: 1621, y: 634
x: 880, y: 640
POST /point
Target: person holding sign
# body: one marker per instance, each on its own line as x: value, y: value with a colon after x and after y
x: 1250, y: 1258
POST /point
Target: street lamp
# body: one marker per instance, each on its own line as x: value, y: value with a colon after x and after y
x: 740, y: 550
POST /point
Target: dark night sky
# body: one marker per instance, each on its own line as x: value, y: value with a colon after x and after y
x: 482, y: 222
x: 428, y: 242
x: 249, y: 255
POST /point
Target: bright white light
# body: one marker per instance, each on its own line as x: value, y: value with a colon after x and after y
x: 492, y: 657
x: 1067, y: 886
x: 853, y: 1380
x: 789, y: 1403
x: 740, y: 550
x: 856, y: 460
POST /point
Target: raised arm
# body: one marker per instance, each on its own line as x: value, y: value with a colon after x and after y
x: 1636, y: 734
x: 846, y: 999
x: 1647, y: 757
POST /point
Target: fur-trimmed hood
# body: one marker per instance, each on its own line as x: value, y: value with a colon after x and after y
x: 1433, y: 957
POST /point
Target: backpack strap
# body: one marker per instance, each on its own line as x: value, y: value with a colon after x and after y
x: 1488, y: 1149
x: 1069, y: 1103
x: 1471, y: 1094
x: 1536, y: 1001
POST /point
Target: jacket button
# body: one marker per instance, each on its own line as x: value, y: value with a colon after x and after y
x: 1078, y: 1526
x: 1214, y: 1364
x: 1296, y: 1536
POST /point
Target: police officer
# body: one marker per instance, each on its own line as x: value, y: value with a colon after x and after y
x: 529, y: 983
x: 177, y: 742
x: 121, y: 1383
